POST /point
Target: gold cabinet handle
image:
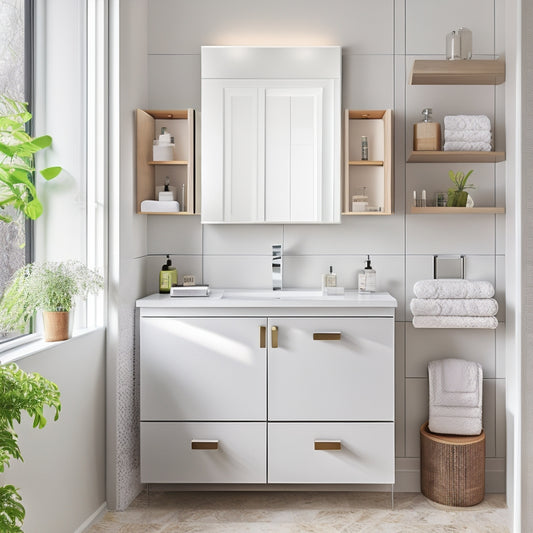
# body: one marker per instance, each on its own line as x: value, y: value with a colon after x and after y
x: 327, y: 336
x: 204, y: 444
x: 274, y: 336
x: 262, y: 336
x: 328, y: 445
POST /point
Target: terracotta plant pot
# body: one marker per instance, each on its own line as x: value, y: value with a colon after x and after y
x: 56, y: 325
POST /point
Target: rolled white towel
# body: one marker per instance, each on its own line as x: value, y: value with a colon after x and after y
x: 456, y: 322
x: 466, y: 122
x: 460, y: 146
x: 454, y: 306
x: 453, y: 288
x: 467, y: 136
x: 156, y: 206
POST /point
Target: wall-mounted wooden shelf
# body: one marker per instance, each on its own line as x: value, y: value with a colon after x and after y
x: 457, y: 210
x: 374, y: 176
x: 181, y: 171
x: 365, y: 163
x: 430, y: 156
x: 458, y: 72
x: 168, y: 163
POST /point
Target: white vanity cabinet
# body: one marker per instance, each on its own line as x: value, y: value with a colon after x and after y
x: 267, y: 392
x: 270, y: 134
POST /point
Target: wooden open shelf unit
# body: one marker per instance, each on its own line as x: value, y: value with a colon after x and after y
x: 458, y: 72
x: 376, y: 173
x: 431, y: 156
x: 457, y: 210
x: 181, y: 124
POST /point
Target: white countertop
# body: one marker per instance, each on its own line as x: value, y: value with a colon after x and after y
x: 239, y: 298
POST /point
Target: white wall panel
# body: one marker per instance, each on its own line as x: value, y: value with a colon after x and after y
x: 399, y: 399
x: 423, y: 345
x: 428, y: 22
x: 174, y: 81
x: 238, y: 271
x: 360, y: 26
x: 169, y: 236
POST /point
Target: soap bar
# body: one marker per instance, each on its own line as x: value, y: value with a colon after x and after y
x: 426, y: 136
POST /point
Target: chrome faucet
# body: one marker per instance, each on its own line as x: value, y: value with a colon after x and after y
x: 277, y: 267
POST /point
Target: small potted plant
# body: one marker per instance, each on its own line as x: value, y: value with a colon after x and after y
x: 458, y: 197
x: 51, y: 287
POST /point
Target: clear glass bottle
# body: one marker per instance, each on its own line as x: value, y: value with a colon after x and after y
x: 364, y: 148
x: 453, y: 46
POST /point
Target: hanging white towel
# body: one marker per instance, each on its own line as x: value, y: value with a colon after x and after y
x: 456, y: 146
x: 455, y: 397
x: 453, y: 288
x: 482, y: 136
x: 156, y: 206
x: 454, y: 306
x: 455, y: 322
x: 466, y: 122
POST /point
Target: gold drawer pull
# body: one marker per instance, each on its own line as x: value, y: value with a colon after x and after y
x: 274, y: 336
x: 328, y: 445
x: 262, y: 336
x: 204, y: 444
x: 330, y: 336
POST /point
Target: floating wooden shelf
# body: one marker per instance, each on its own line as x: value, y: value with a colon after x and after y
x: 366, y: 163
x: 168, y: 162
x: 429, y: 156
x: 458, y: 72
x: 457, y: 210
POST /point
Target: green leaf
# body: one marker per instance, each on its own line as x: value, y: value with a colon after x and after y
x: 7, y: 150
x: 33, y: 209
x: 50, y: 172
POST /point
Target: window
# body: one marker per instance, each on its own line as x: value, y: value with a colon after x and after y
x: 16, y: 56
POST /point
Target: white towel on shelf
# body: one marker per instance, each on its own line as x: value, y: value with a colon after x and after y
x: 453, y: 288
x: 455, y: 397
x: 458, y: 146
x: 482, y: 136
x: 454, y: 306
x: 156, y: 206
x: 466, y: 122
x: 455, y: 322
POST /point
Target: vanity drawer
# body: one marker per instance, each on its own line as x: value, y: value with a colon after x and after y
x: 203, y: 452
x: 331, y: 369
x: 209, y: 369
x: 331, y: 452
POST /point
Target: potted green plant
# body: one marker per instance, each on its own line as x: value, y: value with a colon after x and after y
x: 51, y: 287
x: 17, y: 150
x: 19, y: 391
x: 458, y: 197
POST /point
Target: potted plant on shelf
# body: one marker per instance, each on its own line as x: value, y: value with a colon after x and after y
x: 19, y: 392
x: 51, y: 287
x: 17, y: 150
x: 458, y: 197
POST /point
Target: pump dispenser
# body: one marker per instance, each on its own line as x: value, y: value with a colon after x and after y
x: 426, y: 134
x: 168, y: 277
x: 367, y: 278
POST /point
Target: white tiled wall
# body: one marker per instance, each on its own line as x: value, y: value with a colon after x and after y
x: 380, y: 40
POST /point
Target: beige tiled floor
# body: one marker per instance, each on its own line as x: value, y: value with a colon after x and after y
x: 312, y: 512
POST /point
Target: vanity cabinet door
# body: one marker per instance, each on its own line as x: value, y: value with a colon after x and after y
x: 208, y: 369
x: 331, y: 369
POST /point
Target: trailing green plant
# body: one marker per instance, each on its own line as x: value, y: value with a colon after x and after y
x: 458, y: 196
x: 49, y: 286
x: 17, y: 150
x: 20, y: 391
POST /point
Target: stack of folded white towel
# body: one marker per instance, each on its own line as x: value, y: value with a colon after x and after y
x: 455, y: 397
x: 467, y: 133
x: 454, y: 303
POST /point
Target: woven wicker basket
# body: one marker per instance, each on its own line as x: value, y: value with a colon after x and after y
x: 452, y: 468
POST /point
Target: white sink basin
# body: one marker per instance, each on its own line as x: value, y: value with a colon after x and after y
x: 287, y: 294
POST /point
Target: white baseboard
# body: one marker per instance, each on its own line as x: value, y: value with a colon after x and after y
x: 92, y: 519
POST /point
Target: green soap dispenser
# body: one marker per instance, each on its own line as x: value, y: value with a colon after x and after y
x: 168, y: 277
